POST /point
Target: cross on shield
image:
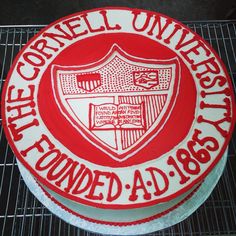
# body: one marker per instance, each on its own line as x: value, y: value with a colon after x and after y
x: 119, y: 103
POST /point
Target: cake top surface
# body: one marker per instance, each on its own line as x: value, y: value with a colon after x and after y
x: 118, y: 108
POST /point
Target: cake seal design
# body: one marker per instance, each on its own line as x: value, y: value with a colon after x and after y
x: 118, y: 108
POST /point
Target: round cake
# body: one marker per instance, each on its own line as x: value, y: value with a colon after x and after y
x: 118, y: 115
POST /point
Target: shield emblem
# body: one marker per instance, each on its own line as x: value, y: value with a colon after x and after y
x: 119, y: 103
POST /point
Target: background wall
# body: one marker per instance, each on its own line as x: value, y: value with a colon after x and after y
x: 46, y: 11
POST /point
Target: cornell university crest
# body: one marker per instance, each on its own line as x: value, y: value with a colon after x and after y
x: 118, y: 108
x: 119, y: 101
